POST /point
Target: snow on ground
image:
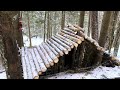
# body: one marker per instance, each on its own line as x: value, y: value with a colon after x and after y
x: 118, y: 55
x: 98, y: 73
x: 3, y: 75
x: 35, y: 41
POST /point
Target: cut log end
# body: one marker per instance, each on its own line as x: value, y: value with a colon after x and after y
x: 69, y: 49
x: 47, y: 65
x: 40, y: 73
x: 66, y: 51
x: 56, y: 60
x: 76, y: 45
x: 101, y: 49
x: 61, y: 53
x: 51, y: 63
x: 36, y: 77
x: 44, y: 69
x: 58, y: 55
x: 79, y: 41
x: 72, y: 46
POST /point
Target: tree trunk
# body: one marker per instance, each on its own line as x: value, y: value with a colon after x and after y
x: 19, y: 35
x: 10, y: 46
x: 63, y: 20
x: 117, y: 40
x: 55, y: 18
x: 112, y: 29
x: 94, y: 24
x: 104, y: 28
x: 29, y: 29
x: 48, y: 24
x: 81, y: 20
x: 89, y: 24
x: 45, y: 25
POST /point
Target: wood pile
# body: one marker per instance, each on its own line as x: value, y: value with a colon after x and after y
x: 62, y: 50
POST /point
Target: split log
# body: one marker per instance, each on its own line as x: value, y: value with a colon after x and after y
x: 69, y: 30
x: 55, y: 47
x: 36, y: 62
x: 40, y: 61
x: 59, y: 46
x: 52, y: 49
x: 67, y: 40
x: 101, y: 49
x: 67, y: 43
x: 74, y: 35
x: 24, y: 63
x: 75, y: 28
x: 46, y: 55
x: 71, y: 38
x: 79, y: 28
x: 81, y: 32
x: 43, y: 57
x: 51, y: 54
x: 64, y: 45
x: 32, y: 65
x: 31, y: 73
x: 70, y: 26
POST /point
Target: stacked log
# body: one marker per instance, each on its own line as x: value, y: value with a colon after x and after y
x: 100, y: 49
x: 64, y: 49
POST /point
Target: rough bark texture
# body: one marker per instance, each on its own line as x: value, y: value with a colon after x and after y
x: 94, y: 24
x: 63, y: 20
x: 29, y: 29
x: 81, y: 22
x: 48, y: 24
x: 10, y: 46
x: 89, y: 24
x: 112, y: 29
x: 18, y: 29
x: 44, y: 26
x: 104, y: 28
x: 117, y: 40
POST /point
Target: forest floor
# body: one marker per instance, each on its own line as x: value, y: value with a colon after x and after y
x: 98, y: 73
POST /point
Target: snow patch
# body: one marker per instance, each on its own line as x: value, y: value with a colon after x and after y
x: 98, y: 73
x: 3, y: 75
x: 35, y: 41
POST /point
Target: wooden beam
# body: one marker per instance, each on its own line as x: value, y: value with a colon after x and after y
x: 55, y: 47
x: 63, y: 44
x: 40, y: 61
x: 50, y: 53
x: 67, y: 43
x: 43, y: 57
x: 68, y: 40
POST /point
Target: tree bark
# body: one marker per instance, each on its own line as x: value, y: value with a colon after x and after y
x: 104, y: 28
x: 81, y: 20
x: 89, y: 24
x: 10, y: 46
x: 112, y: 29
x: 63, y: 20
x: 45, y: 25
x: 94, y: 24
x: 29, y: 29
x: 48, y: 24
x: 117, y: 40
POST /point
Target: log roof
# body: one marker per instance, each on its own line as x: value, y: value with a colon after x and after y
x: 38, y: 59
